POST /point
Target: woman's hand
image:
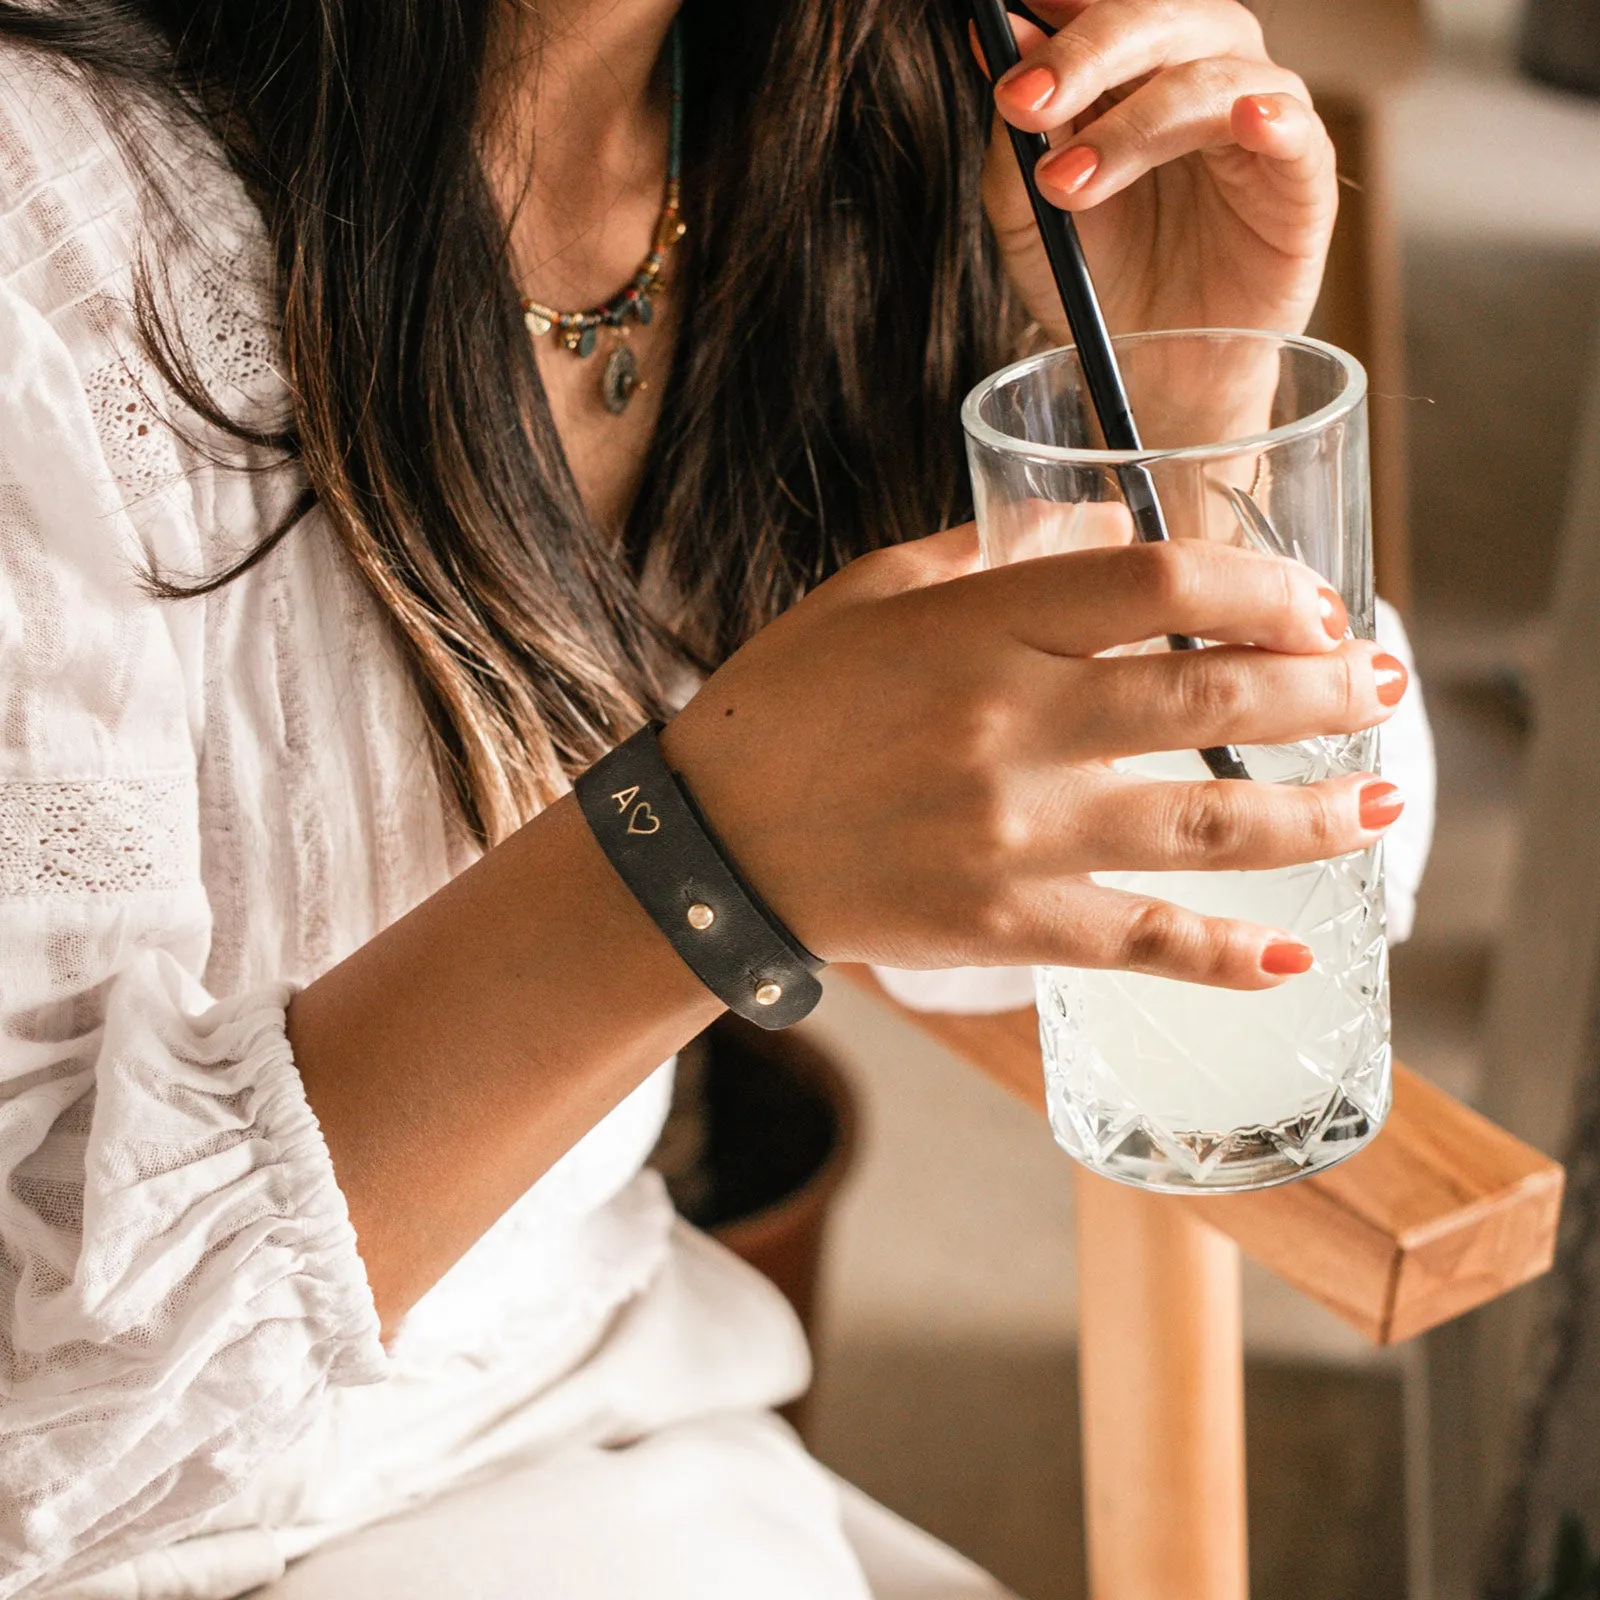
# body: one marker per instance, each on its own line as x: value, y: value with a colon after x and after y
x: 913, y: 764
x: 1201, y: 178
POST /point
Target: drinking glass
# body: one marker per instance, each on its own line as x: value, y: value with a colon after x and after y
x: 1259, y: 440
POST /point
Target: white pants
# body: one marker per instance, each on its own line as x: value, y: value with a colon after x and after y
x: 652, y: 1468
x: 653, y: 1471
x: 725, y: 1508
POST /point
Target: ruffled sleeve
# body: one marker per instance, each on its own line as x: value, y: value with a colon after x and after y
x: 179, y: 1280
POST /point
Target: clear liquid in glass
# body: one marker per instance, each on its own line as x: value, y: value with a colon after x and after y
x: 1180, y: 1086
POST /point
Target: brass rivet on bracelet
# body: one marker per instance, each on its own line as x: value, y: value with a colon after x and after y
x: 768, y: 994
x: 701, y: 917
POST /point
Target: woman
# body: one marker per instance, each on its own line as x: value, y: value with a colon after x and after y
x: 333, y: 1040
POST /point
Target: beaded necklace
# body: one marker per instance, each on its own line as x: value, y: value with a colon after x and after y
x: 579, y: 331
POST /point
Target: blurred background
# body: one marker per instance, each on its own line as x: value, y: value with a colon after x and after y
x: 945, y: 1343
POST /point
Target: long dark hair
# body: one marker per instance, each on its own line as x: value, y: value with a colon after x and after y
x: 840, y: 294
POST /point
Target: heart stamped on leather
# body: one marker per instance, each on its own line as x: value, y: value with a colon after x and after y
x: 643, y: 819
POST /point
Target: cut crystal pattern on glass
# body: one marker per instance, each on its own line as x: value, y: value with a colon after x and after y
x: 1183, y: 1087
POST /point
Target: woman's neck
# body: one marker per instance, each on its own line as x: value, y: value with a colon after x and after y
x: 577, y: 151
x: 599, y: 57
x: 579, y: 135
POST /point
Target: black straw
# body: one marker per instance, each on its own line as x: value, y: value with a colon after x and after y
x: 1064, y: 251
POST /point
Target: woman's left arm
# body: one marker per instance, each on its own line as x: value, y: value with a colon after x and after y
x: 1201, y: 178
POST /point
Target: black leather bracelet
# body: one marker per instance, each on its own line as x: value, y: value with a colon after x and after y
x: 646, y: 820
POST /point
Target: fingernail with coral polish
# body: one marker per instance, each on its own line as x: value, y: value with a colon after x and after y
x: 1381, y: 803
x: 1335, y: 619
x: 1027, y: 88
x: 1392, y: 678
x: 1068, y: 170
x: 1267, y: 109
x: 1285, y: 958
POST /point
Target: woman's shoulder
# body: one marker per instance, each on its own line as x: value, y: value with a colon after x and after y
x: 98, y: 184
x: 64, y: 182
x: 106, y: 199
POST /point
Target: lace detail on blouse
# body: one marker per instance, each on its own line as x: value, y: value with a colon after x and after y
x: 99, y: 836
x: 139, y: 447
x: 228, y: 323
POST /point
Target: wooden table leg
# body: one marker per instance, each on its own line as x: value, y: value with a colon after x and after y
x: 1161, y: 1392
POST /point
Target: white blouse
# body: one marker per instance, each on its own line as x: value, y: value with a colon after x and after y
x: 203, y: 804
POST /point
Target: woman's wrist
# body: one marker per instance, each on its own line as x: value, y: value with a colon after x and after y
x: 664, y: 848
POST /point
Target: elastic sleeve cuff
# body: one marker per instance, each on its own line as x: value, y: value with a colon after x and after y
x: 330, y: 1278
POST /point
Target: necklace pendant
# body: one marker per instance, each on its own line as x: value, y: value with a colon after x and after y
x: 620, y: 379
x: 578, y: 331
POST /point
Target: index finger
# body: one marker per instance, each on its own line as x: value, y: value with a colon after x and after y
x: 1088, y: 601
x: 1113, y: 42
